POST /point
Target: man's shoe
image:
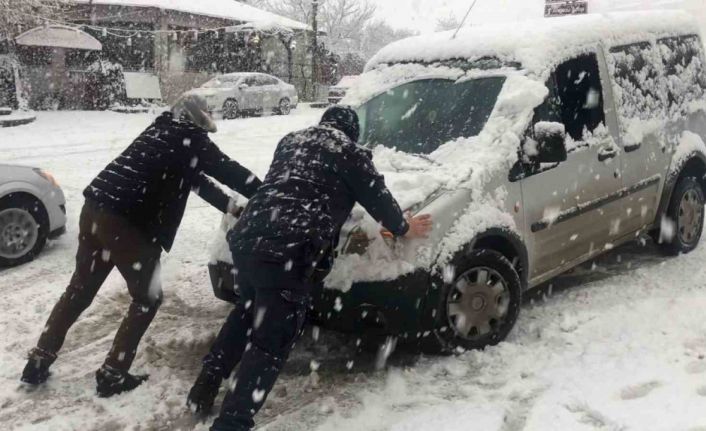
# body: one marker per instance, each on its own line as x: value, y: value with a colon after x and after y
x: 204, y: 392
x: 36, y: 371
x: 113, y: 382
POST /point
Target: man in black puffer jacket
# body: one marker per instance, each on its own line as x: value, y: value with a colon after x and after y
x: 132, y: 212
x: 282, y: 247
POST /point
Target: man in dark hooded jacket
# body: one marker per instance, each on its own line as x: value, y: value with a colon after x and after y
x: 282, y: 247
x: 132, y: 212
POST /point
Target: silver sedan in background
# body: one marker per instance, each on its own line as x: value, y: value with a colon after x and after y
x: 235, y: 94
x: 32, y: 210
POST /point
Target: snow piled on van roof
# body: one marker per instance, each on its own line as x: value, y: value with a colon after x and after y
x: 537, y: 44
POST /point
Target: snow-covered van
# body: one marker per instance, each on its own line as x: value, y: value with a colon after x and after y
x: 536, y: 146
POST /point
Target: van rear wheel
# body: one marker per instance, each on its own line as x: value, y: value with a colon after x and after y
x: 684, y: 221
x: 481, y: 305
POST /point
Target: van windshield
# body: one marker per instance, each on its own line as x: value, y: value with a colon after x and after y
x: 418, y: 117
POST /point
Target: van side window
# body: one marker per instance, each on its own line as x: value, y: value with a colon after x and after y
x: 637, y: 89
x: 683, y: 61
x: 580, y: 94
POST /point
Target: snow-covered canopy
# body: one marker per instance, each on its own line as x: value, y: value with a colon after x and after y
x: 225, y: 9
x: 59, y: 36
x: 537, y: 44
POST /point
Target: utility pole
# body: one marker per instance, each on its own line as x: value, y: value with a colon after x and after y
x: 314, y: 47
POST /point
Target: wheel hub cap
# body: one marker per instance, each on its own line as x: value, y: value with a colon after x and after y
x: 18, y: 233
x: 690, y: 216
x: 477, y: 303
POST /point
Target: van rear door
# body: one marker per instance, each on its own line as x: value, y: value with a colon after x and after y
x: 640, y: 97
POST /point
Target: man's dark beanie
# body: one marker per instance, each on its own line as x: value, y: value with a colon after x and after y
x: 342, y: 118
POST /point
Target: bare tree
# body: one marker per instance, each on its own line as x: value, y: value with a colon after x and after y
x: 343, y: 21
x: 378, y: 34
x: 449, y: 22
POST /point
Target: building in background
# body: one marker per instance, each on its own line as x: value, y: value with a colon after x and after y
x: 182, y: 43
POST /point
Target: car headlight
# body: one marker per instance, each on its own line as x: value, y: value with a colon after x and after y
x: 47, y: 176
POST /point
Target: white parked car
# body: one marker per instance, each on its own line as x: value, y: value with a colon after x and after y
x: 338, y: 91
x: 235, y: 94
x: 32, y: 210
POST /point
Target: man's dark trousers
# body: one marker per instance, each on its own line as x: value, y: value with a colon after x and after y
x: 259, y: 333
x: 106, y: 241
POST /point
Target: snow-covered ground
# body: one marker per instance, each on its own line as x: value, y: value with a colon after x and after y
x: 620, y: 346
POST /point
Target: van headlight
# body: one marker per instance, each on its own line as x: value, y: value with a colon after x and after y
x: 47, y: 176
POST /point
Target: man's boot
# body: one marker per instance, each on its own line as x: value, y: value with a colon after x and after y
x: 113, y: 382
x: 204, y: 392
x: 36, y: 371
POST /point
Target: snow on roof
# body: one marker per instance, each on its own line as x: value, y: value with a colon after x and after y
x: 59, y: 36
x: 537, y: 44
x: 225, y: 9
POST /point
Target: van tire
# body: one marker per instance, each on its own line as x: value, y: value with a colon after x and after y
x: 685, y: 218
x: 498, y: 300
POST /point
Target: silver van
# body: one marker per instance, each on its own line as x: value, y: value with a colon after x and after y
x: 536, y: 147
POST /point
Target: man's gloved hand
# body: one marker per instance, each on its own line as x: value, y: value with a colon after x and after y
x: 234, y: 209
x: 237, y: 211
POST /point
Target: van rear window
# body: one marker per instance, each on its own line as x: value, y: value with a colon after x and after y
x: 683, y: 61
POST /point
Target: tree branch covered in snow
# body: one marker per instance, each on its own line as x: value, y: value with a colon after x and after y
x: 349, y: 24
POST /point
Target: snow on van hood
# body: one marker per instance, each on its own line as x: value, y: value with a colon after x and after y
x: 469, y: 164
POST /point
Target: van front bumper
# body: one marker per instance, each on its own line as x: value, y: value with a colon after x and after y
x: 400, y: 307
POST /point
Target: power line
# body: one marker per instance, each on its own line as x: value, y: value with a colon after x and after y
x: 464, y: 19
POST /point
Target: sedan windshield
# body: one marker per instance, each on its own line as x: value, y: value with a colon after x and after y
x: 418, y: 117
x: 222, y: 82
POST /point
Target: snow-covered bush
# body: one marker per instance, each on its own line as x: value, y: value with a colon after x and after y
x: 106, y: 85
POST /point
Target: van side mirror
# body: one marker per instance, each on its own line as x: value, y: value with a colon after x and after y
x: 549, y: 143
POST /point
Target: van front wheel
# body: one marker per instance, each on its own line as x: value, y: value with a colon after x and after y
x: 482, y: 303
x: 683, y: 223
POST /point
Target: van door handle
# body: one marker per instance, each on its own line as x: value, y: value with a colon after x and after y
x: 632, y: 147
x: 606, y: 154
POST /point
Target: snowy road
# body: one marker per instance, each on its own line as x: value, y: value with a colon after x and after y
x: 620, y: 346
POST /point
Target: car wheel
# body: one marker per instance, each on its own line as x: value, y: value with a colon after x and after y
x: 481, y: 305
x: 285, y: 107
x: 24, y: 228
x: 230, y: 109
x: 684, y: 220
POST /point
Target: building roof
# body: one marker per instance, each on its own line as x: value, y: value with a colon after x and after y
x: 224, y: 9
x: 59, y: 36
x: 537, y: 44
